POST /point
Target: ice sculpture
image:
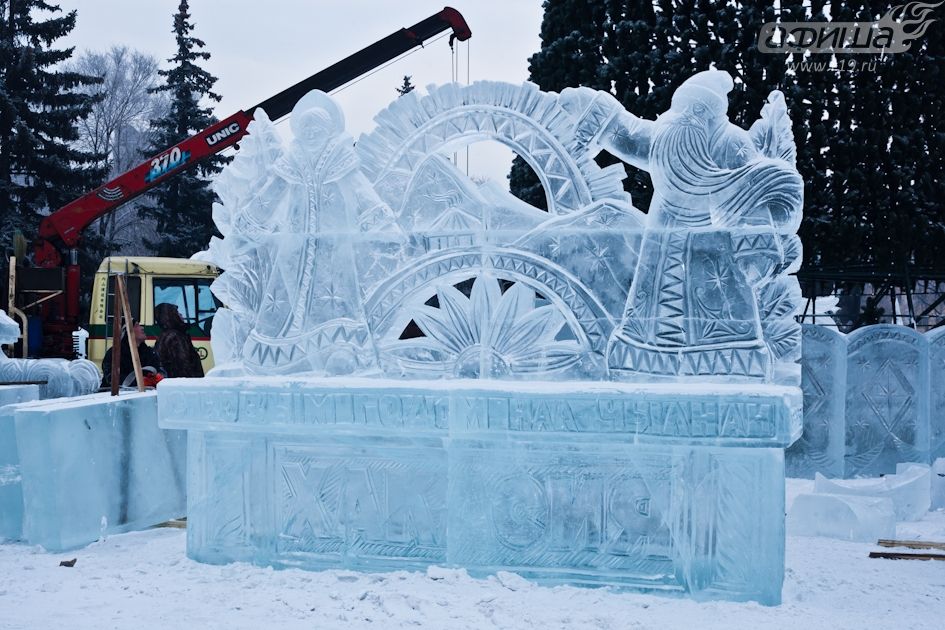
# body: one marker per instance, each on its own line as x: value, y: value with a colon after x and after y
x: 824, y: 383
x: 63, y: 378
x: 936, y: 341
x: 886, y: 403
x: 477, y: 423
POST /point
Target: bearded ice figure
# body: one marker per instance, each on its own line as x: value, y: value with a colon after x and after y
x: 710, y: 296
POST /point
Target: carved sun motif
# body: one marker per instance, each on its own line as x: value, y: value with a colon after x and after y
x: 490, y: 333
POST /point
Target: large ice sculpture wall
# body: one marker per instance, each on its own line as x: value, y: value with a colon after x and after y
x: 487, y: 434
x: 871, y: 401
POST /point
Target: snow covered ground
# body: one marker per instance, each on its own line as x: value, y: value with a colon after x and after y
x: 144, y: 580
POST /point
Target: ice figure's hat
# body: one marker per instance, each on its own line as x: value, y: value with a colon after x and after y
x: 317, y: 106
x: 710, y: 87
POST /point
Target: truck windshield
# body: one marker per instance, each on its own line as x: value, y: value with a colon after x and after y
x: 193, y: 298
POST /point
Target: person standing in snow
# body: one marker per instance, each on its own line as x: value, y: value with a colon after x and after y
x: 146, y: 354
x: 174, y: 345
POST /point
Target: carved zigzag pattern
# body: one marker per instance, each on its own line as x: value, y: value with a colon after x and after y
x: 669, y: 326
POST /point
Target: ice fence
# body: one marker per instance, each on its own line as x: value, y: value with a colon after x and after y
x: 416, y: 367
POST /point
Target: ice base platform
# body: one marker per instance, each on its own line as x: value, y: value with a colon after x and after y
x: 673, y: 488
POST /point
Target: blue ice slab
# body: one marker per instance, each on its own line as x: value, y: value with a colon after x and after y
x: 936, y: 340
x: 644, y: 486
x: 823, y: 381
x: 887, y: 401
x: 11, y: 491
x: 96, y: 465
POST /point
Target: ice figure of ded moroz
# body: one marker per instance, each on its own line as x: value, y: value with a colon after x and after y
x: 454, y: 451
x: 711, y: 295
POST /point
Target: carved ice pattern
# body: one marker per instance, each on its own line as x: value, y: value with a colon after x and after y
x: 823, y: 381
x: 936, y: 341
x: 386, y: 258
x: 886, y: 405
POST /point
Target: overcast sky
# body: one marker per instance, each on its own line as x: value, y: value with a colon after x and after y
x: 260, y: 47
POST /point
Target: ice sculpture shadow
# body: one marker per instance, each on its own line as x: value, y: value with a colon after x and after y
x: 588, y: 395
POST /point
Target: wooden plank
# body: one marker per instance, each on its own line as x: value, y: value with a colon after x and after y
x: 911, y: 544
x: 894, y: 555
x: 176, y: 523
x: 129, y: 330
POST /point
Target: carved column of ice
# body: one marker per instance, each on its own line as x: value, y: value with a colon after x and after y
x: 887, y: 409
x: 11, y: 491
x: 936, y: 341
x: 823, y: 381
x: 96, y: 465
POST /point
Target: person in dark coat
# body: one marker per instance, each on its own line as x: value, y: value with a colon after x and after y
x: 147, y: 355
x: 174, y: 345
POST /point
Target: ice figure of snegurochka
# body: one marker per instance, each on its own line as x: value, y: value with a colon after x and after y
x: 298, y: 225
x: 710, y: 296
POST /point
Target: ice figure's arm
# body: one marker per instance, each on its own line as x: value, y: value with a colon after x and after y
x: 601, y: 121
x: 772, y: 133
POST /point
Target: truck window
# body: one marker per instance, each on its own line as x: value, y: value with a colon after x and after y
x: 133, y: 283
x: 193, y: 298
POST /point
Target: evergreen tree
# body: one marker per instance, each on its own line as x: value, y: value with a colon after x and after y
x: 181, y: 206
x: 406, y: 87
x: 39, y: 110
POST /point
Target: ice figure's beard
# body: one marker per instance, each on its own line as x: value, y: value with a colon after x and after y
x: 683, y: 168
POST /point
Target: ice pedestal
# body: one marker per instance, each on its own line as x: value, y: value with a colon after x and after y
x: 96, y: 465
x: 654, y: 487
x: 11, y: 491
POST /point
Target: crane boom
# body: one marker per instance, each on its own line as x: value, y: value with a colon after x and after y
x: 67, y: 223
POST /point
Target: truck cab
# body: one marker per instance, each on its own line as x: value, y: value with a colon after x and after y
x: 153, y: 281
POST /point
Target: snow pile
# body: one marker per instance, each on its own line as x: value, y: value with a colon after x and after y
x: 143, y: 580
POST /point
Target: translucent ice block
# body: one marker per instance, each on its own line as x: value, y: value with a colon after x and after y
x: 823, y: 381
x: 908, y: 489
x: 96, y: 465
x: 650, y: 486
x: 11, y: 492
x: 938, y: 484
x: 843, y: 516
x: 887, y: 419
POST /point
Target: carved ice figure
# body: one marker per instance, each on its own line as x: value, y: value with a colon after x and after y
x: 290, y: 276
x: 63, y: 378
x: 710, y: 296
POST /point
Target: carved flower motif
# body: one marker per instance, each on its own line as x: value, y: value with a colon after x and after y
x: 490, y: 334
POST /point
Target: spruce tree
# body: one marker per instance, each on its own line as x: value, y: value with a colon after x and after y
x: 181, y: 206
x: 406, y: 87
x: 39, y: 110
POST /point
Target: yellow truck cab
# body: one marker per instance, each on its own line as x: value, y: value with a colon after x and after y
x: 153, y: 281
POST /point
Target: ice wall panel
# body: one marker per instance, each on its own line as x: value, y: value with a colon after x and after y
x: 886, y: 402
x: 823, y: 381
x: 11, y: 490
x: 97, y: 465
x: 937, y: 394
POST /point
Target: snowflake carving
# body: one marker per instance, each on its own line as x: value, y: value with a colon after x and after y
x: 491, y: 334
